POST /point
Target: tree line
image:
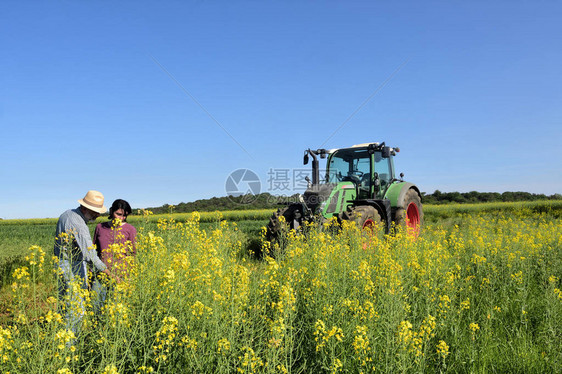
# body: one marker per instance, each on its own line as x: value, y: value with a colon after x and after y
x: 268, y: 201
x: 245, y: 202
x: 439, y: 197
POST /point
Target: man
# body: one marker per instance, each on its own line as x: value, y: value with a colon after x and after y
x: 74, y: 248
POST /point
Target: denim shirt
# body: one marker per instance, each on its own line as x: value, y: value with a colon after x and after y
x: 77, y: 247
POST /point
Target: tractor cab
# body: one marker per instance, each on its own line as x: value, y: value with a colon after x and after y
x: 369, y: 167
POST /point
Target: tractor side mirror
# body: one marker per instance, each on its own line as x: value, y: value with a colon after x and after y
x: 385, y: 152
x: 305, y: 160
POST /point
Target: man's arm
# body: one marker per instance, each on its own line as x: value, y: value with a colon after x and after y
x: 86, y: 246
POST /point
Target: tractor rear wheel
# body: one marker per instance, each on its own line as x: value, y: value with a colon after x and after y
x: 365, y: 216
x: 292, y: 216
x: 411, y: 215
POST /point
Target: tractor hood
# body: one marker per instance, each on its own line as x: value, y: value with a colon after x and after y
x: 314, y: 196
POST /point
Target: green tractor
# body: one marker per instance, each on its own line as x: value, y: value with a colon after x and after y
x: 359, y: 185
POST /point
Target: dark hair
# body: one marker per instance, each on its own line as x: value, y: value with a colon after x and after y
x: 120, y: 204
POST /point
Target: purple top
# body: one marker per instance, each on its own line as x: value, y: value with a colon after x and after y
x: 105, y: 235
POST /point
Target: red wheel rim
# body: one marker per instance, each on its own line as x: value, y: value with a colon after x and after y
x: 368, y: 229
x: 413, y: 216
x: 369, y: 224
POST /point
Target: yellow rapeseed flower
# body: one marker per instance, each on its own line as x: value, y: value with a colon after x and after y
x: 473, y: 329
x: 110, y: 369
x: 442, y: 349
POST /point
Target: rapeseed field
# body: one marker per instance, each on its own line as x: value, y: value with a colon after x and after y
x: 480, y: 293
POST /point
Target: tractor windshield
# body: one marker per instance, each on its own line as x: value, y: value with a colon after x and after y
x: 350, y: 165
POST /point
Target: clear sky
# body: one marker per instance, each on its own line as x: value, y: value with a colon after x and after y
x: 158, y: 102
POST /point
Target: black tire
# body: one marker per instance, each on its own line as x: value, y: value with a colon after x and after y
x: 293, y: 220
x: 411, y: 214
x: 364, y: 216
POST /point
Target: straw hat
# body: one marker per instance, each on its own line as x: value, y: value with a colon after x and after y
x: 93, y: 201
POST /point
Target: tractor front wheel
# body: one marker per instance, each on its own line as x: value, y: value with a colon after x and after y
x: 292, y: 219
x: 364, y: 216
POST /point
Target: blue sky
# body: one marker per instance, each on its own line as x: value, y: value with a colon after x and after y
x: 158, y: 102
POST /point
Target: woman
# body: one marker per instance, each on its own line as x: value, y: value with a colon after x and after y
x: 115, y: 240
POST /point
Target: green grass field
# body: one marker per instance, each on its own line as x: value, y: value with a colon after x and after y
x: 16, y: 236
x: 479, y: 290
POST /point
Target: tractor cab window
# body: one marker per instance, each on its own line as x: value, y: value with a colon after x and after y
x: 384, y: 169
x: 350, y: 165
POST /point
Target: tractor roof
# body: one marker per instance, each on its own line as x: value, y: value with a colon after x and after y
x: 364, y: 145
